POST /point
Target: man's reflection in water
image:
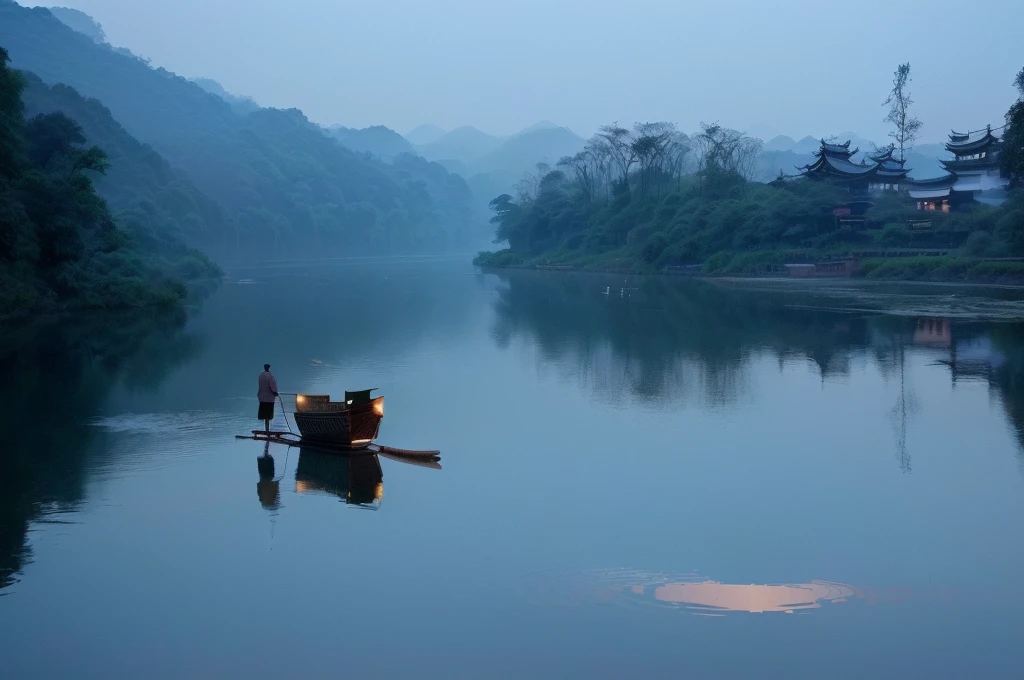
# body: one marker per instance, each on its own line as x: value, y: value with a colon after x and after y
x: 268, y: 488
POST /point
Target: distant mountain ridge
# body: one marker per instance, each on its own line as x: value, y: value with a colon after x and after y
x: 378, y: 140
x: 492, y: 165
x: 81, y: 22
x: 288, y: 187
x: 424, y: 134
x: 243, y: 105
x: 465, y: 144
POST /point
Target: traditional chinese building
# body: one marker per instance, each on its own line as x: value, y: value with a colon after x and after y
x: 890, y: 172
x: 972, y: 175
x: 875, y: 172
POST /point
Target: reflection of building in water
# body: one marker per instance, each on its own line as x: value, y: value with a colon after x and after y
x: 933, y: 332
x: 358, y: 479
x: 714, y: 596
x: 974, y: 358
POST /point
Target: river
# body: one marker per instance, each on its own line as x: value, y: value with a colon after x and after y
x: 652, y: 476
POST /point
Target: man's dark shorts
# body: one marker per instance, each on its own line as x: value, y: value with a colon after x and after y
x: 266, y: 410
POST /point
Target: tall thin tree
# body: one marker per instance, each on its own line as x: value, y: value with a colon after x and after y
x: 905, y: 126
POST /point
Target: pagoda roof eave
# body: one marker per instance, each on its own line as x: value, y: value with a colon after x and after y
x: 970, y: 164
x: 946, y: 180
x: 968, y: 146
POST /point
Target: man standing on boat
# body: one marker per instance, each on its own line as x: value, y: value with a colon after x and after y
x: 266, y: 394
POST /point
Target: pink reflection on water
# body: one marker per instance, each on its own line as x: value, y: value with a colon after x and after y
x: 785, y: 598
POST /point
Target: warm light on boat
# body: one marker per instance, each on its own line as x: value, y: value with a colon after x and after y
x: 361, y: 441
x: 378, y: 407
x: 300, y: 399
x: 378, y: 492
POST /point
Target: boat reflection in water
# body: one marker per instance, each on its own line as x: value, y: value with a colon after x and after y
x: 712, y: 597
x: 357, y: 479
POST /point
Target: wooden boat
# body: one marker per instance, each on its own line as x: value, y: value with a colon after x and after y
x: 350, y: 424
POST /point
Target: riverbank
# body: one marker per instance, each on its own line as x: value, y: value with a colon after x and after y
x: 909, y: 266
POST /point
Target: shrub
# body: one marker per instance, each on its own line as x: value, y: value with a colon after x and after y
x: 978, y: 244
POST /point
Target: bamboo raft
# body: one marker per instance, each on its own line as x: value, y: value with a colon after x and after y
x: 292, y: 439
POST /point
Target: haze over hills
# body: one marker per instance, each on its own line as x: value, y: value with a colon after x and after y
x: 242, y: 105
x: 81, y: 22
x: 378, y: 140
x: 492, y: 165
x: 424, y: 134
x: 464, y: 144
x: 286, y: 186
x: 158, y: 203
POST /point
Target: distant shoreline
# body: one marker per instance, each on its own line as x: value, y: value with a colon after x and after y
x: 1013, y: 279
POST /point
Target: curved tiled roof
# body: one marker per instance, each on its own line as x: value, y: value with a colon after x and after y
x: 841, y: 166
x: 961, y: 144
x: 992, y: 161
x: 884, y: 154
x: 932, y: 182
x: 834, y: 149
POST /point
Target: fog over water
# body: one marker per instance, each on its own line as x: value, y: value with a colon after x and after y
x: 794, y: 68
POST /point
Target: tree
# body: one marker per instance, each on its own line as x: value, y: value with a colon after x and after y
x: 583, y: 168
x: 728, y: 151
x: 905, y: 126
x: 507, y: 216
x: 1012, y: 155
x: 650, y: 146
x: 11, y: 119
x: 620, y: 148
x: 528, y: 186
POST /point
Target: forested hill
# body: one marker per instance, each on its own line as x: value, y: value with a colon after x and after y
x: 60, y: 247
x: 160, y: 202
x: 287, y: 188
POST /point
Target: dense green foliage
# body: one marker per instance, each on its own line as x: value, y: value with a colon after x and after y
x: 59, y: 244
x: 1012, y: 155
x: 286, y: 186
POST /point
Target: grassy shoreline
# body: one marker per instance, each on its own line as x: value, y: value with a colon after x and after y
x: 945, y: 268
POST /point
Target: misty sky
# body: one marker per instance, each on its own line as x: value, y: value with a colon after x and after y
x: 791, y: 67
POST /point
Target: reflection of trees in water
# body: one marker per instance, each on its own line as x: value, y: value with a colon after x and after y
x: 906, y: 405
x: 670, y: 340
x: 675, y: 340
x: 1007, y: 376
x: 55, y: 379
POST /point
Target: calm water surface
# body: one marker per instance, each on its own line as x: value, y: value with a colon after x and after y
x: 644, y: 476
